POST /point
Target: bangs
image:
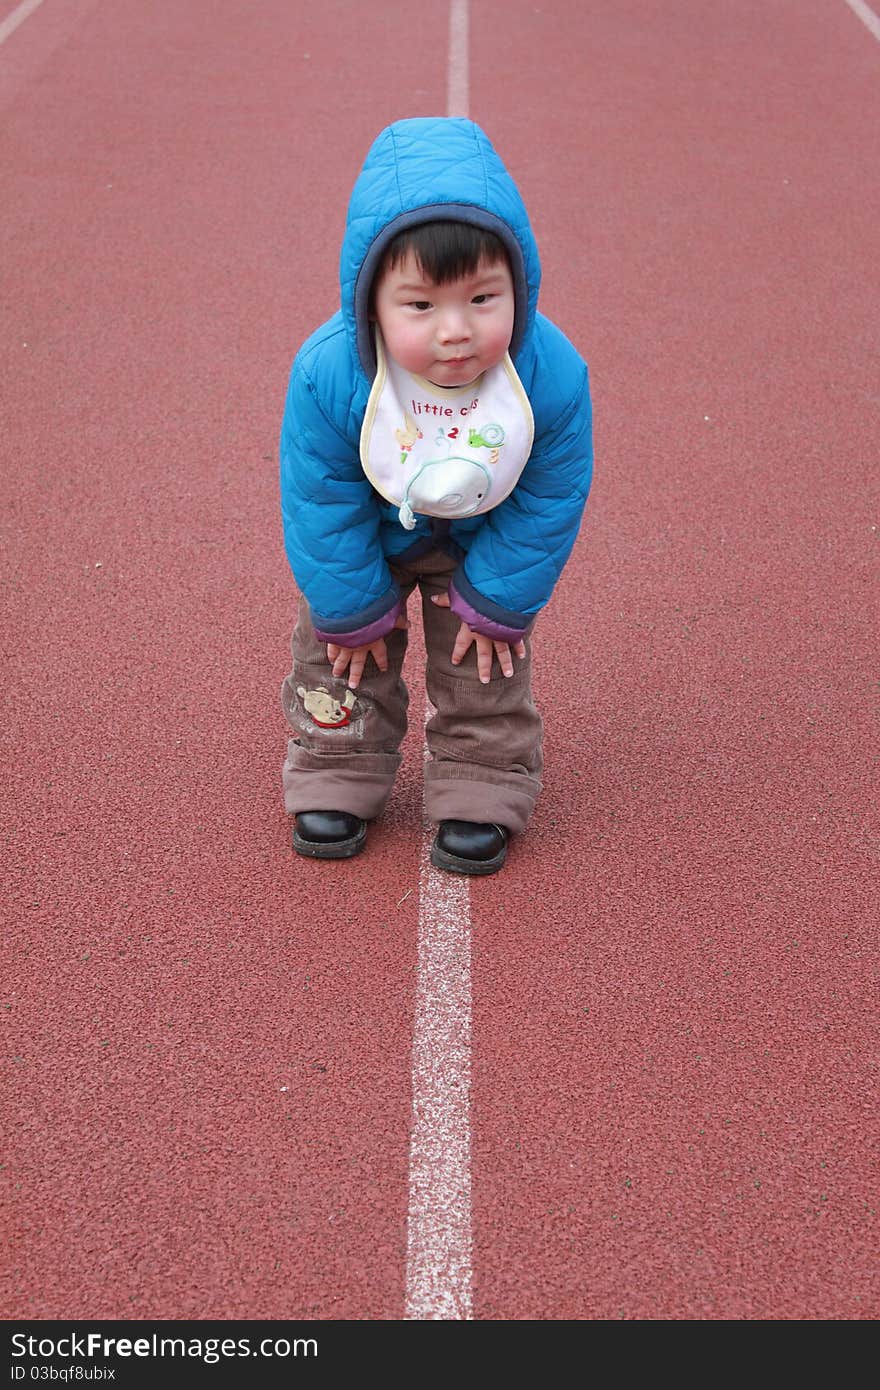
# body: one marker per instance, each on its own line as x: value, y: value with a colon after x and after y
x: 446, y: 251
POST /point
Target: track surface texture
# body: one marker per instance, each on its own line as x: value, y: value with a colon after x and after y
x: 208, y: 1041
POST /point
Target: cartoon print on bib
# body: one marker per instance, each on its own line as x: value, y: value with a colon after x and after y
x: 407, y: 437
x: 450, y: 486
x: 488, y: 437
x: 464, y: 469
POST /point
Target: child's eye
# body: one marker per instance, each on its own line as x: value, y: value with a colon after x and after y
x: 421, y: 304
x: 481, y: 298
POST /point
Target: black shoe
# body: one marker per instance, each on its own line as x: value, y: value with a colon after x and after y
x: 464, y: 847
x: 328, y: 834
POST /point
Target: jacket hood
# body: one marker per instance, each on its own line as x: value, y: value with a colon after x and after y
x: 425, y: 170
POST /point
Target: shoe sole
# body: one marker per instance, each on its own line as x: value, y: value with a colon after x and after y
x: 331, y: 849
x: 454, y: 864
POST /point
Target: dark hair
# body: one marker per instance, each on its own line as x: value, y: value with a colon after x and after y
x: 444, y: 251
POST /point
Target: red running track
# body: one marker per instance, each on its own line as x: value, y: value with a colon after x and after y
x: 674, y: 980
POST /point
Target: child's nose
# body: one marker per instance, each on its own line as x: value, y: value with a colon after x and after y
x: 454, y: 327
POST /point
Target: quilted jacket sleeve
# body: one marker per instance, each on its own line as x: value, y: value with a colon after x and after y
x: 516, y: 558
x: 331, y: 524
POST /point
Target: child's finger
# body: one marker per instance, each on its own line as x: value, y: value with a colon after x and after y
x: 505, y: 660
x: 380, y: 654
x: 462, y: 642
x: 356, y: 670
x: 342, y: 659
x: 332, y: 651
x: 520, y: 648
x: 442, y: 600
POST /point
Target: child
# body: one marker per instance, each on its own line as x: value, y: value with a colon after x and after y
x: 437, y: 433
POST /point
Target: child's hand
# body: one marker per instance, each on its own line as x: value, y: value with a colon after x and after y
x: 355, y: 658
x: 486, y: 646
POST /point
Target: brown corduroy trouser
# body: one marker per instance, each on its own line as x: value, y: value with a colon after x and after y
x: 484, y: 741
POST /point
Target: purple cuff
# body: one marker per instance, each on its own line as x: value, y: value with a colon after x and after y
x: 363, y: 636
x: 487, y: 627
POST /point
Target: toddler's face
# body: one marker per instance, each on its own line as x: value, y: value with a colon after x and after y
x: 448, y: 333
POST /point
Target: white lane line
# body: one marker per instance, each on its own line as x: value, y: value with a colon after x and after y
x: 866, y: 15
x: 457, y: 79
x: 16, y: 17
x: 438, y: 1275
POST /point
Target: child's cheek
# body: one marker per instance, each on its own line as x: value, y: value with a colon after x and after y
x: 500, y: 342
x: 415, y: 345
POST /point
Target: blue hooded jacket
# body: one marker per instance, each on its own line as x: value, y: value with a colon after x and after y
x: 339, y: 532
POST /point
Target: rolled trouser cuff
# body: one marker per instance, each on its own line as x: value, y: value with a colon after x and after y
x: 359, y: 784
x: 480, y: 794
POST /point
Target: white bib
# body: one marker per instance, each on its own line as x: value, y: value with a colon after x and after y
x: 445, y: 451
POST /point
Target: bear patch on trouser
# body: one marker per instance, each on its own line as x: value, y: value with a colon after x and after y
x: 484, y: 741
